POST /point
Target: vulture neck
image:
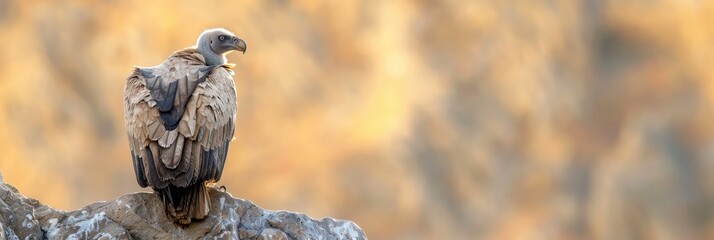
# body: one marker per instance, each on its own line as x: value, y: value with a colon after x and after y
x: 211, y: 57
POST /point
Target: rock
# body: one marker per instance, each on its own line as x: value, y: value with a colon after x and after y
x: 141, y: 216
x: 17, y: 215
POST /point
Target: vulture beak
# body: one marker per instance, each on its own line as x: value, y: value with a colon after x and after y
x: 239, y: 45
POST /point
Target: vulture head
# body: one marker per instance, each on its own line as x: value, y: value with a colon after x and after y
x: 215, y: 43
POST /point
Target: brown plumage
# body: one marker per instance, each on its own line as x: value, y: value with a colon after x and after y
x: 180, y: 119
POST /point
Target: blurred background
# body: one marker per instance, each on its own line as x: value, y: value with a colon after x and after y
x: 559, y: 119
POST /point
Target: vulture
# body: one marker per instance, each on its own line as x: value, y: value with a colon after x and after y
x: 180, y: 119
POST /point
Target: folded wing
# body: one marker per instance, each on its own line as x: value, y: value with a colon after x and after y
x: 180, y: 118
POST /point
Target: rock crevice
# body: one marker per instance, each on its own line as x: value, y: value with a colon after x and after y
x: 141, y: 216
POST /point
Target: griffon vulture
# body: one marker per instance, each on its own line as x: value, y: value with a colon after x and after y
x: 180, y: 118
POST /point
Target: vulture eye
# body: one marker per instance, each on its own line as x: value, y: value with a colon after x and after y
x: 222, y: 37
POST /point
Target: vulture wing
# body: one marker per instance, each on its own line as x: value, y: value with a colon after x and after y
x: 180, y: 118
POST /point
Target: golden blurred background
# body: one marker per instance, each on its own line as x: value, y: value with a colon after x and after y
x: 559, y: 119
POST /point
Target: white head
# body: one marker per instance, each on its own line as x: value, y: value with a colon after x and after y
x: 215, y: 43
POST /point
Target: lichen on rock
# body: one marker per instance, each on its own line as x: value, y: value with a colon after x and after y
x: 141, y: 216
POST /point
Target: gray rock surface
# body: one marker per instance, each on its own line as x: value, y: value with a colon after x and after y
x: 141, y: 216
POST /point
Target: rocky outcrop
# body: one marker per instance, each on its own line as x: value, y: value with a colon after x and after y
x: 141, y: 216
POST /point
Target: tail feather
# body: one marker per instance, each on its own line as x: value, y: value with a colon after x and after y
x: 182, y: 204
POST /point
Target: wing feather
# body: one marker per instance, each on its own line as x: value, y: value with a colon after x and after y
x: 180, y: 120
x: 215, y: 116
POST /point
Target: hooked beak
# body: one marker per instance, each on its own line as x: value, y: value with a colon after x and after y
x: 239, y: 45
